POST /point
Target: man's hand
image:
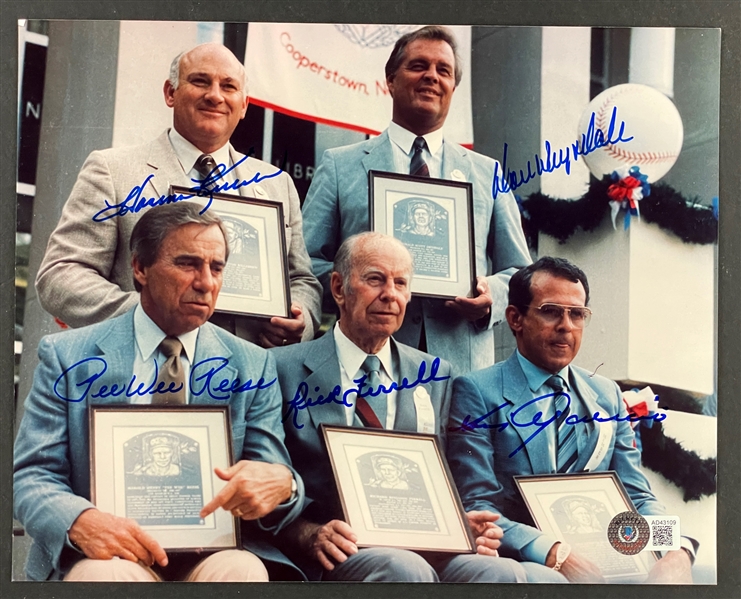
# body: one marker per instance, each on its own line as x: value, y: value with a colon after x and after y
x: 253, y: 491
x: 284, y: 331
x: 575, y: 568
x: 674, y: 568
x: 334, y: 540
x: 104, y: 536
x: 486, y: 532
x: 476, y: 308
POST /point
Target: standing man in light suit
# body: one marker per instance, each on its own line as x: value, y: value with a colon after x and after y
x: 492, y: 437
x: 178, y: 260
x: 371, y: 284
x: 85, y: 276
x: 422, y: 74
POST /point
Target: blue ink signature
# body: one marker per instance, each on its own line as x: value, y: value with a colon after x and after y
x: 302, y: 401
x: 134, y: 202
x: 590, y: 141
x: 469, y: 425
x: 200, y: 382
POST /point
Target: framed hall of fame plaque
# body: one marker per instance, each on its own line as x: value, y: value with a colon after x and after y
x: 155, y: 464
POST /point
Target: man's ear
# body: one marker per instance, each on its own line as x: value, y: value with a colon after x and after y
x: 140, y: 273
x: 335, y: 286
x: 169, y: 92
x: 514, y: 318
x: 390, y: 85
x: 246, y: 104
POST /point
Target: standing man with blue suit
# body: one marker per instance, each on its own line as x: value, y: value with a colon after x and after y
x: 422, y: 74
x: 534, y: 414
x: 178, y: 261
x: 371, y: 282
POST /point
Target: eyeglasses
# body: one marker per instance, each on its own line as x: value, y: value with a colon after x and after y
x: 553, y: 314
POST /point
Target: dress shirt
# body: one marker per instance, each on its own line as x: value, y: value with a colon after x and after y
x: 351, y: 358
x: 148, y: 337
x: 187, y: 154
x: 403, y: 150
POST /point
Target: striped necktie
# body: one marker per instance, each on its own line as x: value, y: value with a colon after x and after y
x: 418, y: 166
x: 566, y: 451
x: 371, y: 409
x: 206, y: 167
x: 172, y: 374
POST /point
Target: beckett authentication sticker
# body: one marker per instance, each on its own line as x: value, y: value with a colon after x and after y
x: 628, y: 533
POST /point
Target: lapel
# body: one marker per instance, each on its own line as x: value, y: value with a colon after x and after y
x: 455, y: 158
x: 165, y: 166
x: 208, y: 345
x: 516, y: 390
x: 406, y: 412
x: 379, y: 156
x: 117, y: 348
x: 246, y: 171
x: 324, y: 372
x: 586, y: 437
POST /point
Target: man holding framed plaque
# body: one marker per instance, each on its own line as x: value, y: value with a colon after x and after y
x: 85, y: 275
x: 357, y: 375
x: 422, y: 74
x: 535, y: 414
x: 161, y: 354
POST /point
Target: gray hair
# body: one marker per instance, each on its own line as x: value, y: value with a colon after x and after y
x: 346, y: 255
x: 174, y: 75
x: 431, y: 32
x: 157, y: 223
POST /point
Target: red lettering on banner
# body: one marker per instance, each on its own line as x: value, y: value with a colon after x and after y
x: 303, y: 61
x: 381, y: 88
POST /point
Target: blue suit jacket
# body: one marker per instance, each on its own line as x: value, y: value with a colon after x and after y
x: 480, y: 462
x: 317, y: 364
x: 336, y: 207
x: 51, y: 484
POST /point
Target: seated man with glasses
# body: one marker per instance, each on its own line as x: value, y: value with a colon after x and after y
x: 536, y: 413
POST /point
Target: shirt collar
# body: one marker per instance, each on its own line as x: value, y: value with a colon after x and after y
x: 536, y: 376
x: 405, y: 139
x: 187, y: 153
x: 352, y: 357
x: 149, y: 336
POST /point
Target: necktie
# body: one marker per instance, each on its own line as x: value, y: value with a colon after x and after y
x: 566, y: 453
x: 171, y: 374
x: 205, y: 166
x: 372, y: 409
x: 418, y: 166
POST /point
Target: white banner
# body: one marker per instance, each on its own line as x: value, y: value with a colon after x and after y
x: 334, y: 74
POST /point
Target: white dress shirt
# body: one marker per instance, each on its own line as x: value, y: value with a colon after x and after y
x: 187, y: 154
x: 351, y: 358
x: 402, y: 147
x: 148, y: 336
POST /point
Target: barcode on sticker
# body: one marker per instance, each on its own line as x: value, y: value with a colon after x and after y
x: 665, y: 535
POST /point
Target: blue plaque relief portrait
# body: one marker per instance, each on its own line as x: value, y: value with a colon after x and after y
x: 396, y: 492
x: 423, y: 226
x: 163, y: 479
x: 242, y: 274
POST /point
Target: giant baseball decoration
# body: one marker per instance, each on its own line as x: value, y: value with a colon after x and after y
x: 640, y: 114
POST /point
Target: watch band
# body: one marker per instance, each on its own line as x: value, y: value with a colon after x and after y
x: 562, y: 554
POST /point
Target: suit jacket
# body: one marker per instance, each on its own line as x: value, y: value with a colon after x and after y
x: 85, y: 276
x: 480, y: 462
x: 51, y: 484
x: 317, y: 364
x: 336, y: 207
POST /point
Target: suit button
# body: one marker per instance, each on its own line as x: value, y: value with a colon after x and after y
x: 417, y: 319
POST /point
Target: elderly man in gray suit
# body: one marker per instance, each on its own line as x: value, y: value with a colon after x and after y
x: 422, y: 74
x: 85, y: 276
x: 371, y: 285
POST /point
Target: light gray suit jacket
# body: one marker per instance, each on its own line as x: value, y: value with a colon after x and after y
x: 51, y: 482
x: 336, y: 207
x: 479, y: 455
x: 85, y: 276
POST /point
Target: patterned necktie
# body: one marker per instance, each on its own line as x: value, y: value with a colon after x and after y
x: 172, y: 374
x: 566, y: 453
x: 418, y: 166
x: 371, y: 409
x: 205, y: 166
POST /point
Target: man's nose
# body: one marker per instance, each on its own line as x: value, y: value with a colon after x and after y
x: 431, y: 74
x: 204, y: 280
x: 565, y: 323
x: 214, y: 94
